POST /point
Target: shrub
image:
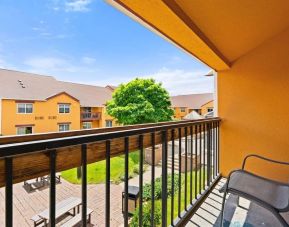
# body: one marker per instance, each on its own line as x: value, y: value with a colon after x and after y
x: 136, y: 169
x: 135, y: 156
x: 146, y: 217
x: 158, y: 188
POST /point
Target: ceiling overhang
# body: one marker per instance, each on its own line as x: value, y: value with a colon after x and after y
x: 216, y: 32
x: 168, y: 20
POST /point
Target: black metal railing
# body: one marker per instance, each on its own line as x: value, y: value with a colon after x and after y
x: 194, y: 143
x: 90, y: 116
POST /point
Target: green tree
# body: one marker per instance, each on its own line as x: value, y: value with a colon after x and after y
x: 140, y: 101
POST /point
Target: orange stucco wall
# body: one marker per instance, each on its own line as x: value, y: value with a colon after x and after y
x: 106, y: 117
x: 205, y: 107
x: 248, y: 95
x: 47, y: 109
x: 43, y: 109
x: 178, y: 114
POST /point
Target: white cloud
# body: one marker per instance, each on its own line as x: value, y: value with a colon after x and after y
x: 88, y: 60
x: 37, y: 29
x: 84, y: 70
x: 77, y: 5
x: 176, y: 81
x: 46, y: 34
x: 46, y: 63
x: 179, y: 82
x: 57, y: 65
x: 70, y: 5
x: 43, y: 32
x: 62, y: 36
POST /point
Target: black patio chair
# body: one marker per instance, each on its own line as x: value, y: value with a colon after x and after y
x: 269, y: 194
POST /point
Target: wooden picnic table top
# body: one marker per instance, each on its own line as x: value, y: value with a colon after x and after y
x: 62, y: 207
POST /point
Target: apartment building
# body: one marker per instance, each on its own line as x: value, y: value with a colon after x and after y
x: 31, y: 103
x: 185, y: 104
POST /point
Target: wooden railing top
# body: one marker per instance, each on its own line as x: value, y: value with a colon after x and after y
x: 31, y: 160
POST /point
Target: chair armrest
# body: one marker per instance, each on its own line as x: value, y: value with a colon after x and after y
x: 263, y: 158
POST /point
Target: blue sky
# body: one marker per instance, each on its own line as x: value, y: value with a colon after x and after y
x: 89, y: 41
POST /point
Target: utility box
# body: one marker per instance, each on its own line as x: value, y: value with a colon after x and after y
x: 133, y: 199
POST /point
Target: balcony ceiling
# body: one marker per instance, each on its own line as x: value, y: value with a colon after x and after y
x: 216, y: 32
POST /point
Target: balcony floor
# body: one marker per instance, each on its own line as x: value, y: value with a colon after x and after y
x: 209, y: 212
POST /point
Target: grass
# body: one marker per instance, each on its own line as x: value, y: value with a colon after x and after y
x: 96, y: 172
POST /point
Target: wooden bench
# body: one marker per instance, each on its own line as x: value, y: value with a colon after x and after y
x: 37, y: 220
x: 77, y: 219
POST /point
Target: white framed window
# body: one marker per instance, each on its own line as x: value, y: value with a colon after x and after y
x: 108, y: 123
x: 64, y: 108
x: 24, y: 130
x: 64, y: 127
x: 183, y: 109
x: 87, y: 125
x: 210, y: 109
x: 24, y: 108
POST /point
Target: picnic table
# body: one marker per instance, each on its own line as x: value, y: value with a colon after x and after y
x: 39, y: 182
x: 63, y: 207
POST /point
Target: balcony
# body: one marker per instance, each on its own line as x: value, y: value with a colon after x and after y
x: 28, y: 157
x: 90, y: 116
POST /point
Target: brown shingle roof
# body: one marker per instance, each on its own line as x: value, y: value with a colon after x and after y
x: 192, y: 101
x: 90, y: 96
x: 38, y: 87
x: 111, y: 87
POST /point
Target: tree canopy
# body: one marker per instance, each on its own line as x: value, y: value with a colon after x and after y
x: 140, y: 101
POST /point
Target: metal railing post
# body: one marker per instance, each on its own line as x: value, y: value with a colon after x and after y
x: 164, y: 178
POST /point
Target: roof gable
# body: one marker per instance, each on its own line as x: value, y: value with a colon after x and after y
x: 192, y: 101
x: 62, y: 93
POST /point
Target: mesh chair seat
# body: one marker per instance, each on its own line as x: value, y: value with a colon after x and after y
x: 274, y: 194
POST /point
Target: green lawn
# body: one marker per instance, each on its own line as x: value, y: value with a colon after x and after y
x: 96, y: 171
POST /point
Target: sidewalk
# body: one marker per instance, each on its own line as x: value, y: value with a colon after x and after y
x: 146, y: 177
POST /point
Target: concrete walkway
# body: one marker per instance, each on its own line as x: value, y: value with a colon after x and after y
x: 146, y: 177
